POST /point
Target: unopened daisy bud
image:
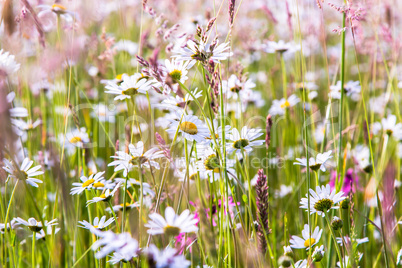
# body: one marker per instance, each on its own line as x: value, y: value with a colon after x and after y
x: 337, y: 223
x: 318, y: 254
x: 285, y: 261
x: 288, y: 251
x: 368, y: 169
x: 345, y: 203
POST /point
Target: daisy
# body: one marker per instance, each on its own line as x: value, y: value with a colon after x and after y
x: 315, y: 163
x: 279, y: 107
x: 192, y: 128
x: 177, y: 103
x: 172, y: 224
x: 363, y: 240
x: 307, y: 241
x: 21, y: 126
x: 361, y: 154
x: 137, y: 157
x: 322, y: 200
x: 202, y: 52
x: 345, y: 261
x: 50, y: 13
x: 167, y: 258
x: 318, y: 253
x: 209, y: 165
x: 49, y: 231
x: 146, y: 188
x: 233, y: 86
x: 13, y: 224
x: 392, y: 128
x: 24, y: 172
x: 120, y: 207
x: 105, y: 196
x: 103, y: 113
x: 34, y: 225
x: 280, y: 47
x: 178, y: 70
x: 16, y: 111
x: 126, y: 45
x: 352, y: 89
x: 301, y: 264
x: 8, y: 65
x: 87, y: 183
x: 98, y: 224
x: 244, y: 140
x: 75, y: 138
x: 131, y: 86
x: 218, y: 132
x: 110, y: 242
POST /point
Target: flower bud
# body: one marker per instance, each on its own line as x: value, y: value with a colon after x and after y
x: 337, y: 223
x: 345, y: 203
x: 318, y: 254
x: 285, y: 261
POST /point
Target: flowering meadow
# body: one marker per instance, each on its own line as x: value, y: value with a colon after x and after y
x: 191, y: 133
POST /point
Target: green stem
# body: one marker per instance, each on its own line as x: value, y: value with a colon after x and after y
x: 33, y: 249
x: 338, y: 251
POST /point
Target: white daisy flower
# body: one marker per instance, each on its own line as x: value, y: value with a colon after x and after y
x: 340, y: 240
x: 93, y: 181
x: 192, y: 128
x: 98, y: 224
x: 110, y: 242
x: 280, y: 47
x: 351, y: 89
x: 13, y: 224
x: 74, y: 139
x: 126, y: 45
x: 16, y: 111
x: 322, y: 200
x: 202, y: 52
x: 131, y: 86
x: 392, y: 128
x: 218, y: 132
x: 136, y: 157
x: 103, y: 113
x: 315, y: 163
x: 24, y: 172
x: 307, y: 241
x: 49, y: 231
x: 233, y: 87
x: 8, y: 65
x: 178, y: 70
x: 166, y: 258
x: 346, y: 259
x: 318, y: 253
x: 120, y: 207
x: 54, y: 11
x: 34, y: 225
x: 172, y: 224
x: 279, y: 107
x: 177, y: 103
x: 105, y: 196
x: 146, y: 188
x: 301, y: 264
x: 244, y: 140
x: 22, y: 126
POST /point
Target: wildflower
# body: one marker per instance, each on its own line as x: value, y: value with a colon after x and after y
x: 178, y: 70
x: 146, y: 188
x: 105, y: 196
x: 389, y: 126
x: 279, y: 107
x: 24, y: 172
x: 315, y: 163
x: 172, y: 224
x: 347, y: 239
x: 322, y: 200
x: 352, y: 89
x: 137, y: 157
x: 120, y: 207
x: 22, y: 126
x: 280, y: 47
x: 8, y: 65
x: 110, y: 242
x: 318, y: 253
x: 244, y: 140
x: 192, y: 128
x: 361, y: 154
x: 336, y: 223
x: 307, y: 241
x: 347, y: 262
x: 285, y: 261
x: 202, y: 52
x: 94, y: 180
x: 126, y: 45
x: 350, y: 181
x: 131, y: 86
x: 13, y: 224
x: 167, y: 258
x: 233, y: 87
x: 75, y: 138
x: 34, y: 225
x: 98, y: 224
x: 301, y: 264
x: 103, y: 113
x: 177, y: 103
x: 209, y: 165
x: 49, y: 231
x: 53, y: 12
x: 288, y: 251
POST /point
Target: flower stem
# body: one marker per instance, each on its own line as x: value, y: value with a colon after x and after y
x: 338, y: 251
x: 33, y: 249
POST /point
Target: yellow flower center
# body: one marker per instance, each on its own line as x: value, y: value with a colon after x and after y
x: 119, y: 77
x: 189, y: 128
x: 57, y: 7
x: 75, y: 139
x: 285, y: 104
x: 171, y: 230
x: 87, y: 183
x: 137, y: 160
x: 175, y: 74
x: 309, y: 242
x: 95, y: 226
x: 98, y: 184
x: 102, y: 196
x: 131, y: 91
